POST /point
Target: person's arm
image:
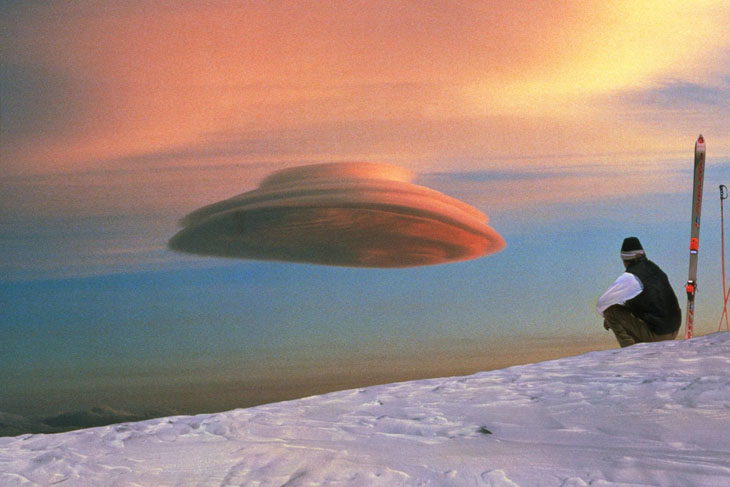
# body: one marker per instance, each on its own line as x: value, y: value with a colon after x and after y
x: 627, y: 286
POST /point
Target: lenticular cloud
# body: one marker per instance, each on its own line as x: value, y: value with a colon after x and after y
x: 343, y: 214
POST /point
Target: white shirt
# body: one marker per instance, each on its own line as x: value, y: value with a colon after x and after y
x: 627, y: 286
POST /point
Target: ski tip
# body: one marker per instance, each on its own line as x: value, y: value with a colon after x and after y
x: 700, y: 139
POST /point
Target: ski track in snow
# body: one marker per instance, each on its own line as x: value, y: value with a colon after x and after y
x: 647, y: 415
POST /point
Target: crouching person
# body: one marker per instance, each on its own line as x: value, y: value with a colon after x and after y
x: 640, y: 306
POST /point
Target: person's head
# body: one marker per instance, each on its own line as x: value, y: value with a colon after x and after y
x: 632, y: 251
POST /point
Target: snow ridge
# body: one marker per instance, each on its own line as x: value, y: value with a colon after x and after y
x: 647, y: 415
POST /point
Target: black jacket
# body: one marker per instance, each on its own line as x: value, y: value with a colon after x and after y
x: 657, y: 304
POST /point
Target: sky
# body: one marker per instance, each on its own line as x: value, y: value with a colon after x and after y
x: 570, y: 124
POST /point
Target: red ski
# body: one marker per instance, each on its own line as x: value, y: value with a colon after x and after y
x: 694, y: 242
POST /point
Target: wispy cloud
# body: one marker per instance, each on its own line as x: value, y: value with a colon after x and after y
x: 500, y: 190
x: 683, y: 95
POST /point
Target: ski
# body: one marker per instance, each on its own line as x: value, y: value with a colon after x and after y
x: 694, y: 242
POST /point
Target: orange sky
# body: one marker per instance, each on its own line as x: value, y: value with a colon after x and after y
x: 571, y: 124
x: 432, y: 87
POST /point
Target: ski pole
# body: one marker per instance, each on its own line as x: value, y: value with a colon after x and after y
x: 723, y: 197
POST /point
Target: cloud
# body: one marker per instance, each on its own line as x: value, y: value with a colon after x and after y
x: 674, y: 95
x: 494, y: 176
x: 541, y: 195
x: 345, y: 214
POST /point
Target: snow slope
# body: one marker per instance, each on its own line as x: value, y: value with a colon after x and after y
x: 650, y: 414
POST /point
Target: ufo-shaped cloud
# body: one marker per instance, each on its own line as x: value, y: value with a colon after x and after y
x: 344, y: 214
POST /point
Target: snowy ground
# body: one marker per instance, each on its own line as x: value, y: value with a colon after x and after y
x: 655, y: 414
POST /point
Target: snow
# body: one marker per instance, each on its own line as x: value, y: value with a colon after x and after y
x: 647, y: 415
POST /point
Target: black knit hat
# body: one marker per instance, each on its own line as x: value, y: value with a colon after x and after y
x: 631, y: 248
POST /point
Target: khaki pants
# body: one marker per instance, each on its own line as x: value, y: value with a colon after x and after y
x: 629, y: 329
